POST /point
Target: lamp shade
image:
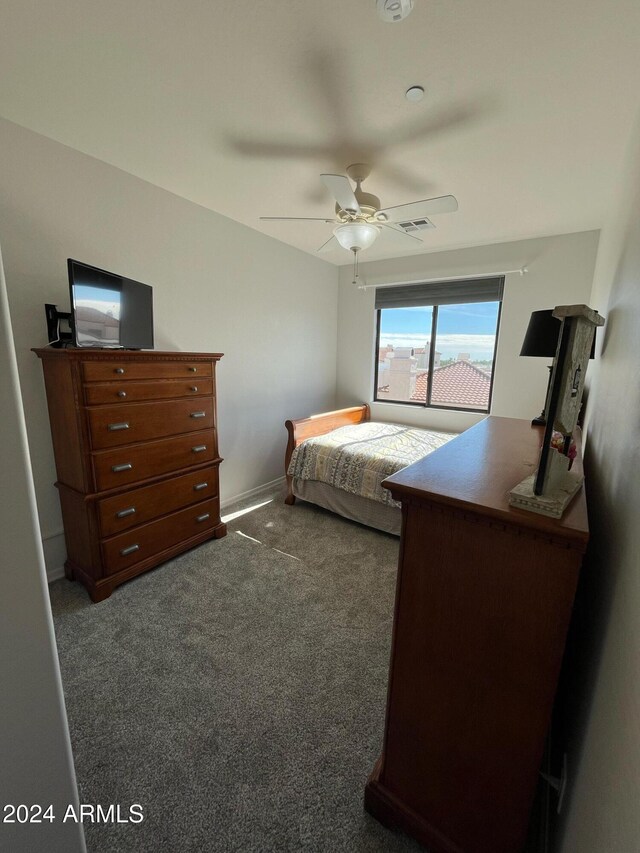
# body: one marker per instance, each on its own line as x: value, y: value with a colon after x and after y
x: 541, y: 339
x: 355, y: 236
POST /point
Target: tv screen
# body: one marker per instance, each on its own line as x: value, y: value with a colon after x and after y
x: 109, y: 310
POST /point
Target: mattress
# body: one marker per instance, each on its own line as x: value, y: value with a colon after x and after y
x: 362, y: 510
x: 356, y: 458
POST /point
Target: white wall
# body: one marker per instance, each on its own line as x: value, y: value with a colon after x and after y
x: 218, y: 287
x: 604, y: 672
x: 560, y: 272
x: 37, y: 766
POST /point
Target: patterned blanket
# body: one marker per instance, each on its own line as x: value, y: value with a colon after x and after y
x: 359, y: 457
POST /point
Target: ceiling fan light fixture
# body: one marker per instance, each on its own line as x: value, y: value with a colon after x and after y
x: 356, y: 236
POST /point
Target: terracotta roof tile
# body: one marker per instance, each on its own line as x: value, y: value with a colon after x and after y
x: 460, y: 384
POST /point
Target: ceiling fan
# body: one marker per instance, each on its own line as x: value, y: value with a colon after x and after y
x: 360, y: 218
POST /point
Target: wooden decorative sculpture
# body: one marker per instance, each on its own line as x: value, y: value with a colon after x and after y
x: 550, y: 489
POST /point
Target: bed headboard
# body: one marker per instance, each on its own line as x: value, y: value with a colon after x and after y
x: 303, y: 428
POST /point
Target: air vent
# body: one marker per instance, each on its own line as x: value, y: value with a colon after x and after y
x: 416, y: 225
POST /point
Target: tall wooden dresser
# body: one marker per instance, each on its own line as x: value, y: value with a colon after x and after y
x: 483, y: 602
x: 136, y: 451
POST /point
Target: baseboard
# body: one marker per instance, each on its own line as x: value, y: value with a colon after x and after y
x: 266, y: 487
x: 55, y: 552
x: 55, y: 574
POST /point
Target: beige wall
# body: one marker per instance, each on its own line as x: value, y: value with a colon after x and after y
x: 218, y: 286
x: 36, y: 764
x: 604, y: 711
x: 560, y: 272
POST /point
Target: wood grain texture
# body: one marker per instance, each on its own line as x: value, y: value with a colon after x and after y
x: 96, y: 393
x: 153, y: 501
x: 483, y: 603
x: 111, y: 426
x: 152, y: 458
x: 477, y: 470
x: 67, y: 433
x: 124, y: 370
x: 168, y: 453
x: 156, y: 536
x: 304, y: 428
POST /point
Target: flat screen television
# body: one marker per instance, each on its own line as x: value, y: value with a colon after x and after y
x: 108, y: 310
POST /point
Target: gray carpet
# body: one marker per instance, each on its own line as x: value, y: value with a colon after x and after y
x: 238, y: 691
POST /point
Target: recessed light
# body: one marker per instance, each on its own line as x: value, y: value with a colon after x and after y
x: 414, y: 93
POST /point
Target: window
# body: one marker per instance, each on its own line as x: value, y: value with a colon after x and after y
x: 436, y: 344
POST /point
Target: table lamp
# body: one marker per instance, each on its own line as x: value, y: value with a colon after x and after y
x: 541, y: 341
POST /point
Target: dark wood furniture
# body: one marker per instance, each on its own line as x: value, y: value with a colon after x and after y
x: 303, y: 428
x: 483, y: 602
x: 136, y: 450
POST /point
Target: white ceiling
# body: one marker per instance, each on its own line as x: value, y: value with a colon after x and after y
x: 239, y: 106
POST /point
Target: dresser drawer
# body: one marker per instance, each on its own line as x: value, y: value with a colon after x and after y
x: 103, y: 371
x: 141, y: 505
x: 144, y: 541
x: 111, y: 426
x: 124, y: 465
x: 158, y: 389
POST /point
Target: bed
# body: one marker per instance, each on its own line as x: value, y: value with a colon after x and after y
x: 339, y: 459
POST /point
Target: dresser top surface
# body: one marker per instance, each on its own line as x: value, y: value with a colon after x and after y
x: 477, y: 470
x: 108, y: 354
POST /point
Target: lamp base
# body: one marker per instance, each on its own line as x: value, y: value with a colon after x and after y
x: 541, y: 420
x: 555, y: 500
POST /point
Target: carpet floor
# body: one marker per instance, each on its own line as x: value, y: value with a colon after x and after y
x: 237, y: 692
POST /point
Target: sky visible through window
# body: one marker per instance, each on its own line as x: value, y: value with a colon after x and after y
x: 469, y: 328
x: 107, y: 301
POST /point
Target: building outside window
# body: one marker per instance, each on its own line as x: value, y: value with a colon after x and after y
x: 436, y: 344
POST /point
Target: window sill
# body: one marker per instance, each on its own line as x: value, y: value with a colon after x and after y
x: 425, y: 417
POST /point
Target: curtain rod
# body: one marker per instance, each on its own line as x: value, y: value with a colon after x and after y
x: 520, y: 271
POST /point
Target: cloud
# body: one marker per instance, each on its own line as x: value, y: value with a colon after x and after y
x: 463, y: 342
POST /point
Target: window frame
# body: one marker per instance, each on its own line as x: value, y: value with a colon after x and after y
x: 434, y: 326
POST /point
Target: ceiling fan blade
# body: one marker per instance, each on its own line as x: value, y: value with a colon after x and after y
x: 405, y: 178
x: 297, y: 219
x: 420, y: 209
x: 329, y: 244
x: 436, y: 122
x: 401, y: 231
x: 342, y: 191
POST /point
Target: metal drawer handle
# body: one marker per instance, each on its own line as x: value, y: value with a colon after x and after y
x: 125, y: 512
x: 127, y: 466
x: 129, y: 550
x: 116, y: 427
x: 199, y: 486
x: 198, y: 414
x: 122, y: 393
x: 199, y: 448
x: 203, y: 517
x: 193, y: 370
x: 119, y: 370
x: 193, y: 388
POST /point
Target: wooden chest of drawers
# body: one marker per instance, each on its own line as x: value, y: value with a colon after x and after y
x: 136, y: 448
